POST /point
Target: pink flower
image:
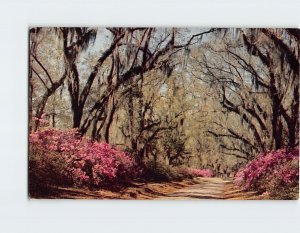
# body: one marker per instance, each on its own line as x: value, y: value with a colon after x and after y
x: 88, y: 163
x: 268, y: 167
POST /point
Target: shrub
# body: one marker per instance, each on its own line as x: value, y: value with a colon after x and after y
x: 201, y: 172
x: 276, y: 173
x: 185, y: 172
x: 163, y: 172
x: 194, y: 172
x: 159, y: 172
x: 64, y: 158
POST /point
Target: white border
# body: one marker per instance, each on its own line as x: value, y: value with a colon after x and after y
x: 18, y: 214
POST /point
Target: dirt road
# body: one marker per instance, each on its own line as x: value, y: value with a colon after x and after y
x: 198, y: 188
x: 210, y: 188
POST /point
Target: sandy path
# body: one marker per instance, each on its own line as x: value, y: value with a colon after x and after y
x: 206, y: 188
x: 210, y: 188
x: 198, y: 188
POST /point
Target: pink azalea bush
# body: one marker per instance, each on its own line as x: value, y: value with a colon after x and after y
x: 65, y: 158
x: 201, y: 172
x: 276, y: 173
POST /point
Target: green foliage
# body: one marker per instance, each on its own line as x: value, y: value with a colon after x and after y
x: 160, y: 172
x: 174, y: 147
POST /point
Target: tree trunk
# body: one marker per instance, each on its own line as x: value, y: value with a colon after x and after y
x: 276, y: 131
x: 293, y: 126
x: 73, y: 87
x: 110, y: 120
x: 132, y: 139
